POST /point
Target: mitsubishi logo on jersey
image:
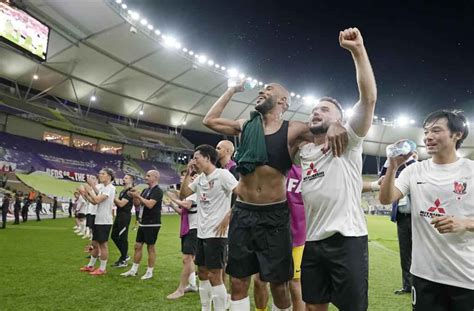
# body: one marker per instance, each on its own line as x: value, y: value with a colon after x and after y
x: 437, y: 207
x: 434, y: 211
x: 312, y: 173
x: 312, y: 169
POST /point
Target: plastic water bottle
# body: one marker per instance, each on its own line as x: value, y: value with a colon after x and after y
x: 402, y: 147
x: 248, y: 85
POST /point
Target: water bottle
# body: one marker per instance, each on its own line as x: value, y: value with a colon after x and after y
x: 402, y: 147
x: 248, y: 85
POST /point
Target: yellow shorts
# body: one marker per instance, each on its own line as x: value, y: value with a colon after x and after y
x: 297, y: 258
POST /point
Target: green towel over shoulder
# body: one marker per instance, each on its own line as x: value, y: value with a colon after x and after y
x: 252, y: 151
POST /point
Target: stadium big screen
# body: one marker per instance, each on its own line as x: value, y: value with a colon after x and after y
x: 22, y: 31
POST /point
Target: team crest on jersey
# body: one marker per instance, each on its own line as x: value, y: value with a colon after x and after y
x: 312, y: 173
x: 436, y: 210
x: 460, y: 187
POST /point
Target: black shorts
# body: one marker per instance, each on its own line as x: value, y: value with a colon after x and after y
x: 90, y: 219
x: 260, y: 242
x: 81, y: 215
x: 189, y: 243
x: 432, y: 296
x: 147, y: 235
x: 211, y: 253
x: 101, y: 233
x: 336, y: 270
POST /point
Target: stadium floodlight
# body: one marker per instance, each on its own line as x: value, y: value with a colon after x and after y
x: 223, y: 68
x: 144, y: 22
x: 412, y: 121
x: 241, y: 76
x: 254, y: 81
x: 349, y: 112
x: 185, y: 50
x: 309, y: 100
x: 402, y: 121
x: 202, y: 59
x: 210, y: 62
x: 383, y: 119
x: 376, y: 117
x: 217, y: 66
x: 233, y: 72
x: 191, y: 53
x: 249, y: 78
x: 298, y: 96
x: 141, y: 112
x: 157, y: 32
x: 35, y: 77
x: 150, y: 26
x: 93, y: 98
x: 260, y: 83
x: 170, y: 41
x: 118, y: 1
x: 184, y: 122
x: 134, y: 15
x: 292, y: 94
x: 124, y: 6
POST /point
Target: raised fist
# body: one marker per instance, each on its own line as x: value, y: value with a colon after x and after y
x: 351, y: 39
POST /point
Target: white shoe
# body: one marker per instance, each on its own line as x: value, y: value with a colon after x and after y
x: 81, y: 233
x: 147, y: 276
x: 86, y: 236
x: 75, y: 227
x: 129, y: 273
x: 190, y: 288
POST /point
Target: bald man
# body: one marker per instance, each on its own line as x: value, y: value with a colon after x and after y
x: 149, y: 222
x: 225, y: 150
x: 259, y: 231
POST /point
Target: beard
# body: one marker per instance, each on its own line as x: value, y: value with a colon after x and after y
x: 319, y: 129
x: 265, y: 107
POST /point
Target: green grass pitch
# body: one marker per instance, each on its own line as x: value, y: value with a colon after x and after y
x: 40, y: 261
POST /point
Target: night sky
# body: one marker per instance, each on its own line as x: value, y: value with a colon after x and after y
x: 422, y: 53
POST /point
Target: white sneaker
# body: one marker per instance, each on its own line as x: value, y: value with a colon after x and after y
x: 81, y: 233
x: 190, y: 288
x: 129, y: 273
x: 75, y: 227
x: 147, y: 276
x: 85, y: 236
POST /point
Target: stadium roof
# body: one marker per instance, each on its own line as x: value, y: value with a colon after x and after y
x: 93, y: 52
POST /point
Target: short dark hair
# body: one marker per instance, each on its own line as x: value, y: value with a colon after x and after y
x: 334, y: 102
x: 457, y: 122
x: 207, y: 151
x: 132, y: 177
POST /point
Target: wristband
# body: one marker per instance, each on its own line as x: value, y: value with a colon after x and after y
x: 374, y: 186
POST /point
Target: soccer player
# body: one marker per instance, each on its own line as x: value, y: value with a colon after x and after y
x: 213, y: 188
x: 150, y: 222
x: 80, y: 207
x: 91, y: 208
x: 104, y: 198
x: 335, y: 258
x: 442, y: 208
x: 124, y: 205
x: 187, y: 209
